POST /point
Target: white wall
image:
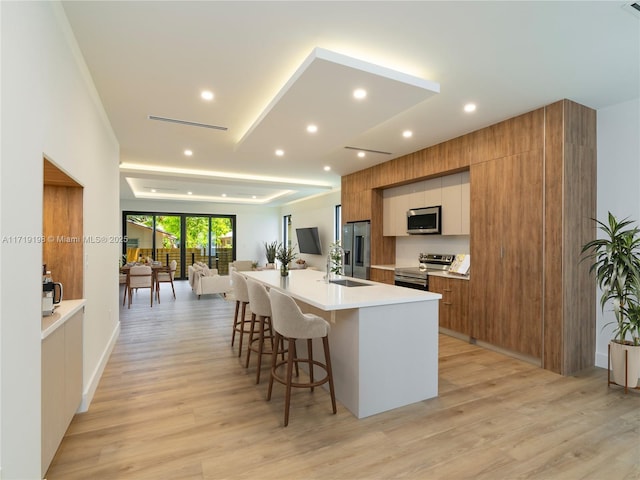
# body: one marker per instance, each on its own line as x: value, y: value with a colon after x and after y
x: 254, y: 225
x: 49, y: 107
x: 314, y: 212
x: 618, y: 186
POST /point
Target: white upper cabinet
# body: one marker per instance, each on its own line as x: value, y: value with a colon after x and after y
x: 432, y: 192
x: 450, y: 191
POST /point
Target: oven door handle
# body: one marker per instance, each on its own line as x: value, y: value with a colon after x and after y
x: 410, y: 280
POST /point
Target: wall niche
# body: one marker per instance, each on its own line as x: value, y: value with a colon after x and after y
x: 62, y: 228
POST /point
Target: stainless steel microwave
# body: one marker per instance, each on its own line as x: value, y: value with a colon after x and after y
x: 424, y: 221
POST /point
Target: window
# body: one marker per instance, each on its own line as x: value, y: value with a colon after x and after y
x: 286, y: 231
x: 337, y: 229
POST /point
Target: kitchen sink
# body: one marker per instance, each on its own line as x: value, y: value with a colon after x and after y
x: 345, y: 282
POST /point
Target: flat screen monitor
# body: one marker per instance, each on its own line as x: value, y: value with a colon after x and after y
x: 308, y: 240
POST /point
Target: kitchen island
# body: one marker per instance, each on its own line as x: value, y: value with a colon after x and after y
x: 383, y: 339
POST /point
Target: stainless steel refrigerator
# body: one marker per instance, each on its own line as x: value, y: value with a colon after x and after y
x: 356, y: 243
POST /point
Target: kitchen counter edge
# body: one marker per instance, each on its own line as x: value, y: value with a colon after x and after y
x: 63, y: 312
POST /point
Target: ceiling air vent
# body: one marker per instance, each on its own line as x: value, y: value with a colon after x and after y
x: 367, y: 150
x: 632, y: 8
x: 188, y: 123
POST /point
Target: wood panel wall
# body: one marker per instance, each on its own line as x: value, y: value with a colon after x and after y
x: 570, y: 191
x: 63, y: 230
x: 566, y: 132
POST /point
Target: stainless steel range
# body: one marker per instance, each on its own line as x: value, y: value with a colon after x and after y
x: 418, y: 277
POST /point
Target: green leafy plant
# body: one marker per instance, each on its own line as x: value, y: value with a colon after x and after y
x: 631, y: 326
x: 286, y: 255
x: 616, y: 264
x: 270, y: 251
x: 336, y: 256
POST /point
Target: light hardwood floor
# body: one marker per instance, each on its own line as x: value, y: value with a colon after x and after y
x: 175, y: 402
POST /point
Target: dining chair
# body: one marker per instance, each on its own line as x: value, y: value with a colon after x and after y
x: 166, y: 275
x: 140, y: 276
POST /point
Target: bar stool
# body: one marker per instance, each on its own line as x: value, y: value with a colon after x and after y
x: 289, y: 322
x: 260, y: 310
x: 240, y: 324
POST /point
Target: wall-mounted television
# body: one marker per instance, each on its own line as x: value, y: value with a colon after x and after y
x: 309, y: 241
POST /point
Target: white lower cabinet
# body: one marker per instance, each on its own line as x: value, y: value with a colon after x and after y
x: 61, y: 384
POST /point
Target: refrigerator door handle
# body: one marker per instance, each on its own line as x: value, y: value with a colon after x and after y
x: 359, y: 248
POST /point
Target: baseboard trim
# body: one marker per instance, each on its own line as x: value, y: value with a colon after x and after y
x: 91, y: 387
x: 602, y: 360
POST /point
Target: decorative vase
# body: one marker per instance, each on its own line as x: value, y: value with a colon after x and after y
x: 284, y: 270
x: 618, y: 366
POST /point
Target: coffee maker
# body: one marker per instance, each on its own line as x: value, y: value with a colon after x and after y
x: 51, y: 293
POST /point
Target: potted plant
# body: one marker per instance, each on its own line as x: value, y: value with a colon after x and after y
x: 616, y: 264
x: 335, y: 260
x: 285, y: 255
x: 270, y: 252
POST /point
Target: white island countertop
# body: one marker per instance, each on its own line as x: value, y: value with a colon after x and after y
x: 310, y: 287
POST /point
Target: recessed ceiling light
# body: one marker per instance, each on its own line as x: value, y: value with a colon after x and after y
x: 361, y: 154
x: 153, y: 190
x: 312, y: 128
x: 224, y: 194
x: 188, y: 153
x: 189, y: 193
x: 207, y: 95
x: 253, y: 196
x: 470, y: 107
x: 279, y: 152
x: 359, y: 93
x: 407, y: 134
x: 327, y: 168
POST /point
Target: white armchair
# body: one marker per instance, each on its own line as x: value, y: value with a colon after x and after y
x: 205, y: 280
x: 240, y: 266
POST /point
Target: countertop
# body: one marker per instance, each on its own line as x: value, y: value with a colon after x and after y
x: 63, y: 312
x: 309, y: 286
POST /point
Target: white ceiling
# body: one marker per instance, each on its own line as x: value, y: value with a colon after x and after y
x: 274, y: 67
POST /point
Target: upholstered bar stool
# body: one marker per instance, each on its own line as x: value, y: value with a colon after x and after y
x: 289, y: 322
x: 240, y: 324
x: 260, y: 323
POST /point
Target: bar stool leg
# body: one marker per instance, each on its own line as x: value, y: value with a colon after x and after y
x: 310, y: 350
x: 327, y: 360
x: 287, y: 400
x: 260, y: 347
x: 251, y: 331
x: 242, y: 332
x: 279, y: 341
x: 235, y: 322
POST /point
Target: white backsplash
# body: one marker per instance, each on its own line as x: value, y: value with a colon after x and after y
x: 408, y: 248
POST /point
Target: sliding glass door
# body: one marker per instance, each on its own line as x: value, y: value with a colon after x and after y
x: 185, y: 238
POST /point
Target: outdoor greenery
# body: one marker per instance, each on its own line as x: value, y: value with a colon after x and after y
x: 616, y: 263
x: 197, y: 229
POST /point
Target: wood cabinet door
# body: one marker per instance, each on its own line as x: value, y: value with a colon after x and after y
x: 506, y: 247
x: 522, y: 262
x: 439, y: 285
x: 457, y: 292
x: 485, y: 246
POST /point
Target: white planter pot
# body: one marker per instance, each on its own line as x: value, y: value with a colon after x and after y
x: 618, y: 364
